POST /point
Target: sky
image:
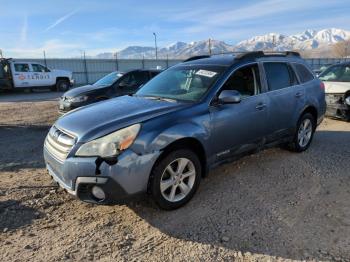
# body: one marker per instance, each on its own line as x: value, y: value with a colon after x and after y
x: 66, y: 28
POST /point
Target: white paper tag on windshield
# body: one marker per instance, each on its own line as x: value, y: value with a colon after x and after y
x: 206, y: 73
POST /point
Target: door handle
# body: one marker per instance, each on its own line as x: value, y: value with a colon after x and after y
x: 298, y: 94
x: 260, y: 106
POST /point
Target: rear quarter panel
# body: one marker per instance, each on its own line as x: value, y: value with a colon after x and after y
x: 315, y: 96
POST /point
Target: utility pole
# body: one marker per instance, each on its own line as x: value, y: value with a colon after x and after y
x: 155, y: 44
x: 209, y: 46
x: 1, y: 56
x: 116, y: 61
x: 86, y: 72
x: 45, y: 58
x: 273, y: 43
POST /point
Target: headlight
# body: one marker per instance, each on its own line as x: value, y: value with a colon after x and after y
x: 77, y: 99
x: 347, y: 100
x: 110, y: 145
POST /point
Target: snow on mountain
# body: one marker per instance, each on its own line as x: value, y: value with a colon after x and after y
x: 310, y: 39
x: 307, y: 40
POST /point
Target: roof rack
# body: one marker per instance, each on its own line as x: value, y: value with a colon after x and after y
x: 245, y: 55
x: 258, y: 54
x: 196, y: 57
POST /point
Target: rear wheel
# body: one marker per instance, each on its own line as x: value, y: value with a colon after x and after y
x: 304, y: 133
x: 62, y: 85
x: 175, y: 179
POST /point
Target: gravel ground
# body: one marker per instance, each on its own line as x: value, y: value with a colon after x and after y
x: 271, y: 206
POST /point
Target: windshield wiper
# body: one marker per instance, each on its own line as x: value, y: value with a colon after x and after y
x: 159, y: 98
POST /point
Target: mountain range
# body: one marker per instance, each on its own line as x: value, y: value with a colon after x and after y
x: 308, y: 40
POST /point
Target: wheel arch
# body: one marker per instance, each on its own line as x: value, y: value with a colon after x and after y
x: 310, y: 109
x: 62, y: 78
x: 190, y: 143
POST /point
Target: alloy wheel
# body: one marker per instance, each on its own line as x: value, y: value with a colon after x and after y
x: 305, y: 132
x: 177, y: 179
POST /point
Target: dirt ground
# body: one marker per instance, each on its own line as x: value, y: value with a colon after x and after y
x: 272, y: 206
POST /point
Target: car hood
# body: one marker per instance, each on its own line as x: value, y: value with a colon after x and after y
x: 99, y: 119
x: 78, y: 91
x: 336, y: 87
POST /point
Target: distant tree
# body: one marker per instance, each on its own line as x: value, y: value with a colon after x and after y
x: 341, y: 49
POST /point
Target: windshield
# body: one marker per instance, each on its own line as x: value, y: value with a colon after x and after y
x: 337, y: 73
x: 108, y: 79
x: 188, y: 83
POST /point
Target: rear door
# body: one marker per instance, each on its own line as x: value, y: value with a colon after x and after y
x: 286, y: 99
x: 40, y: 75
x: 5, y: 75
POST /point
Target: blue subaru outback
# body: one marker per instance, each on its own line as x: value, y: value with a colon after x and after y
x: 186, y: 120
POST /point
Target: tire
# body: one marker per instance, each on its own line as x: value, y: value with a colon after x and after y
x: 179, y: 187
x: 304, y: 133
x: 62, y: 85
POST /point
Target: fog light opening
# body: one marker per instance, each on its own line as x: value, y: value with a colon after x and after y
x: 98, y: 193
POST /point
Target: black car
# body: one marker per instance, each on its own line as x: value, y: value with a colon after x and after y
x: 112, y: 85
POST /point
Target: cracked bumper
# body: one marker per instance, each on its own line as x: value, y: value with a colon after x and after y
x: 128, y: 177
x: 336, y: 107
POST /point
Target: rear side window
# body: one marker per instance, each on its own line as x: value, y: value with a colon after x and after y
x: 278, y: 76
x: 39, y: 68
x: 303, y: 73
x: 21, y: 67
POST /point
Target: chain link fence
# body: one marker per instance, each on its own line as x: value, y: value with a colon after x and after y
x: 90, y: 70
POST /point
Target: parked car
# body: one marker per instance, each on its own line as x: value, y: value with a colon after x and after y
x: 28, y: 75
x: 337, y: 82
x: 111, y: 85
x: 188, y: 119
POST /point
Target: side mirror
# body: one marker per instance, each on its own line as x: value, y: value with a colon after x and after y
x: 229, y: 97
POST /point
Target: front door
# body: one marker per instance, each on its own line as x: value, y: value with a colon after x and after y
x: 130, y: 82
x: 240, y: 127
x: 5, y: 75
x: 21, y: 75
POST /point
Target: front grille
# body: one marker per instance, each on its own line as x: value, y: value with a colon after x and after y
x: 59, y: 143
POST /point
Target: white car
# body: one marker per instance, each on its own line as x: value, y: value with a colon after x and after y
x: 17, y: 74
x: 337, y: 84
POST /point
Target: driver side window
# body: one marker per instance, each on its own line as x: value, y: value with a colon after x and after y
x: 245, y: 80
x: 134, y: 79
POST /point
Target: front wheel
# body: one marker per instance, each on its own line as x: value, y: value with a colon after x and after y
x: 304, y: 133
x: 62, y: 85
x: 175, y: 179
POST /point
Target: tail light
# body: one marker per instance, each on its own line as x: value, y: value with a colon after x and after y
x: 322, y: 86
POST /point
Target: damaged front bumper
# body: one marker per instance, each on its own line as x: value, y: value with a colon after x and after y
x: 122, y: 180
x: 337, y: 107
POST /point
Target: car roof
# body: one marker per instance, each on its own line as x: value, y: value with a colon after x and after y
x: 145, y: 70
x: 231, y: 59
